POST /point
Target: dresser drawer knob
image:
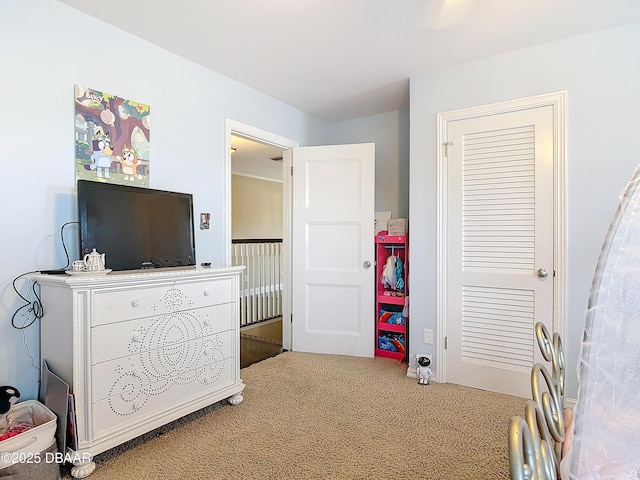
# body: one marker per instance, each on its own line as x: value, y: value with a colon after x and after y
x: 207, y: 322
x: 136, y: 373
x: 207, y: 292
x: 207, y: 352
x: 135, y: 302
x: 137, y: 338
x: 137, y: 406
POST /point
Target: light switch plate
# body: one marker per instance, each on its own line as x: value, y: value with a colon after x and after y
x: 428, y: 336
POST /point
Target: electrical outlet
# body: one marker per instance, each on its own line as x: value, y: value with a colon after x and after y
x: 428, y: 336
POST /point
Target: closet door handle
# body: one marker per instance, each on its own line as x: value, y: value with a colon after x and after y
x: 542, y: 273
x: 366, y: 264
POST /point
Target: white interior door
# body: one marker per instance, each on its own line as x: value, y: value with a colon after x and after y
x: 333, y: 249
x: 500, y: 238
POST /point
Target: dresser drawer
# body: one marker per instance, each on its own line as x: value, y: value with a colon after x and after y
x: 120, y: 339
x: 127, y: 410
x: 118, y: 304
x: 178, y: 360
x: 115, y: 305
x: 200, y: 294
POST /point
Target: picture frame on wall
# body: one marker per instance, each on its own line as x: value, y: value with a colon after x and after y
x: 111, y: 138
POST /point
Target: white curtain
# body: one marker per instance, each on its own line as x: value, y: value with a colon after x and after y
x: 606, y: 438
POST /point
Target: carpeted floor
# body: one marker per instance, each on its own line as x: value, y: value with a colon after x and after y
x: 309, y: 416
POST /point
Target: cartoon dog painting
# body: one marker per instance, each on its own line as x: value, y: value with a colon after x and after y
x: 101, y: 157
x: 129, y: 162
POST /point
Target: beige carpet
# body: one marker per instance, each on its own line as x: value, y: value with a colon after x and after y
x: 308, y: 416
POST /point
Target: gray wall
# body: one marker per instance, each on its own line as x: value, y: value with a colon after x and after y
x: 390, y: 133
x: 601, y: 73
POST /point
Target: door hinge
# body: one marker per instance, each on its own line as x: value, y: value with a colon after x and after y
x: 445, y: 343
x: 292, y: 318
x: 292, y: 170
x: 446, y: 146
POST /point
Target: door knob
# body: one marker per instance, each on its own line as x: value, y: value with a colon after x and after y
x: 542, y: 272
x: 366, y: 264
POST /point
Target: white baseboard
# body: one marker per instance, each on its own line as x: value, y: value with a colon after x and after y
x: 412, y: 373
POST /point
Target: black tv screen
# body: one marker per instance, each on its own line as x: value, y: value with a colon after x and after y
x: 136, y: 227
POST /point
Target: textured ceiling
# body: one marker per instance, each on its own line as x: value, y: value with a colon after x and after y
x: 344, y: 59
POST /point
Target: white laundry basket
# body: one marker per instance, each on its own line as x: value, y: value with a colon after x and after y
x: 30, y: 454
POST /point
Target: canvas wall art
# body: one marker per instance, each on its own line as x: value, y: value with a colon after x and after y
x: 112, y: 138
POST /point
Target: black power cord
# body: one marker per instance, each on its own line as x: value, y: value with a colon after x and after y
x: 64, y: 246
x: 34, y: 307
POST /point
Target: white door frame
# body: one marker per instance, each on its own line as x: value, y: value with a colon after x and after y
x: 557, y: 101
x: 253, y: 133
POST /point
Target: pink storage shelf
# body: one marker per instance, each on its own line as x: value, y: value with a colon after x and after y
x: 390, y: 333
x: 399, y: 356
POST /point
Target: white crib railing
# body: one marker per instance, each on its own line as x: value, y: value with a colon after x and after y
x: 261, y: 281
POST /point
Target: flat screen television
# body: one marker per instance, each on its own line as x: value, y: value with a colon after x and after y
x: 136, y: 227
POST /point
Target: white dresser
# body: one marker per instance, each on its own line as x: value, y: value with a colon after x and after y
x: 141, y: 349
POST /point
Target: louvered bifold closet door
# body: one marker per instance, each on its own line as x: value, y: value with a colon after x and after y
x: 498, y: 214
x: 502, y: 176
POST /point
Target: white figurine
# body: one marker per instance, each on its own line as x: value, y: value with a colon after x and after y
x: 424, y: 369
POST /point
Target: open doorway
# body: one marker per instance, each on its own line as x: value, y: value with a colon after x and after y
x: 256, y: 236
x: 258, y: 206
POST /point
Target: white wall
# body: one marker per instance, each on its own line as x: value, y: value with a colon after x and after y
x: 390, y: 133
x: 47, y: 47
x: 601, y: 74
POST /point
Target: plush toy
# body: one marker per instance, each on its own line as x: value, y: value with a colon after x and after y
x: 8, y: 396
x: 424, y: 369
